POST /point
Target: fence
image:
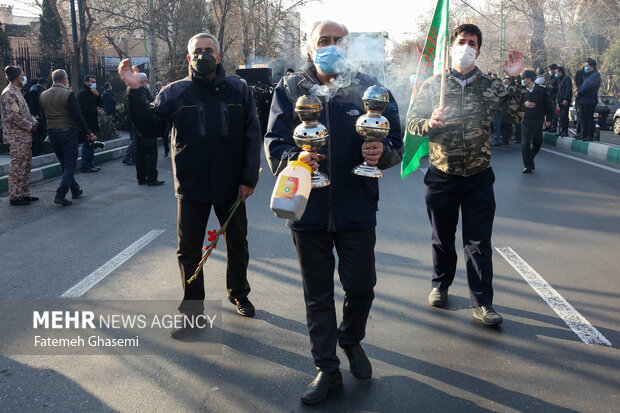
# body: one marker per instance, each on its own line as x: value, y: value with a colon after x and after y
x: 36, y: 66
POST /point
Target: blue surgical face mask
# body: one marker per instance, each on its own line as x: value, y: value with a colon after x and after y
x: 329, y: 59
x: 522, y: 82
x: 585, y: 69
x: 93, y: 86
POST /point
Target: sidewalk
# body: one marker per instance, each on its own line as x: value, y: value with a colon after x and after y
x: 47, y: 166
x: 600, y: 151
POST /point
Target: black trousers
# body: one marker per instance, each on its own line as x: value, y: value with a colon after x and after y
x: 473, y: 195
x: 587, y: 121
x: 563, y: 119
x: 192, y: 222
x: 146, y: 161
x: 531, y: 140
x: 356, y: 268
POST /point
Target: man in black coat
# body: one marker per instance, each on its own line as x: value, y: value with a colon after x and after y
x: 146, y: 148
x: 32, y: 98
x: 564, y: 98
x: 538, y: 109
x: 89, y: 100
x: 552, y: 90
x: 215, y: 160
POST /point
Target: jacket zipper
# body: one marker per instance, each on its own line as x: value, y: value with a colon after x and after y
x: 330, y: 225
x: 201, y: 120
x: 463, y: 126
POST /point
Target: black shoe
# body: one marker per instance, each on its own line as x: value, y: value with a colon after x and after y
x: 88, y: 170
x: 19, y: 202
x: 244, y: 306
x: 359, y: 365
x: 438, y: 298
x: 62, y: 201
x: 166, y: 154
x: 31, y: 198
x: 141, y: 182
x: 526, y: 171
x: 577, y: 136
x: 184, y: 330
x: 586, y: 139
x: 488, y: 315
x: 128, y: 162
x: 76, y: 194
x: 319, y: 388
x: 154, y: 183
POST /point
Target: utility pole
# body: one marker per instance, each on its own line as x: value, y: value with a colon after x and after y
x: 85, y: 67
x: 153, y: 44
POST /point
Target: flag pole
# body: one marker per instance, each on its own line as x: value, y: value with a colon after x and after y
x: 443, y: 75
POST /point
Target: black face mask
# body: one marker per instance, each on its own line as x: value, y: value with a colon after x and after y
x: 203, y: 63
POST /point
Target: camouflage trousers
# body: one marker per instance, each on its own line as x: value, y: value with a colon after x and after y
x: 19, y: 172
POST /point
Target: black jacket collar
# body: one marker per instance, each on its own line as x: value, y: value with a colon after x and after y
x: 218, y: 82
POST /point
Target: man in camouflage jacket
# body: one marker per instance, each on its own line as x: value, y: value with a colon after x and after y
x: 460, y: 174
x: 18, y: 125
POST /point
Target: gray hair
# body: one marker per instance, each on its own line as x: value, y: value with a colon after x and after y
x: 143, y: 77
x: 204, y: 36
x: 58, y: 75
x: 317, y: 24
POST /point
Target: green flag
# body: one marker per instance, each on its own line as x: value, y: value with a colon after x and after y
x: 431, y: 62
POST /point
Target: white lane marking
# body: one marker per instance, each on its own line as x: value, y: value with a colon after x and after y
x: 578, y: 323
x: 100, y: 273
x: 581, y: 160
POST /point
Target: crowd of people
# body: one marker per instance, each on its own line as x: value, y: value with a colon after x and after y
x: 67, y: 119
x: 216, y: 155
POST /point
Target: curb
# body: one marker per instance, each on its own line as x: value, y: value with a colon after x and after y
x: 53, y: 170
x: 593, y: 150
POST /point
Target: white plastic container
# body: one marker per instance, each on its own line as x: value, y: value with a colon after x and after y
x: 291, y: 191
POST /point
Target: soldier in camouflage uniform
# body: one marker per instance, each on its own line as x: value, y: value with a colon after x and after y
x: 460, y: 175
x: 18, y: 125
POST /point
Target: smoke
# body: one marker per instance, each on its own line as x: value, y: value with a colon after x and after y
x: 367, y: 53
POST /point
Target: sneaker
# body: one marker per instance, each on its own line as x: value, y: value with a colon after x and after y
x: 438, y: 298
x: 244, y: 306
x: 488, y: 315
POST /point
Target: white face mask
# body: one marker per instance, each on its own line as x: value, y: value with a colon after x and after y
x: 463, y: 55
x: 24, y: 81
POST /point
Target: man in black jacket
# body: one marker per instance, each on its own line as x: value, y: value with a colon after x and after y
x: 564, y: 97
x: 537, y: 107
x: 32, y: 98
x: 340, y: 216
x: 552, y: 90
x: 215, y: 160
x: 89, y: 100
x: 146, y: 148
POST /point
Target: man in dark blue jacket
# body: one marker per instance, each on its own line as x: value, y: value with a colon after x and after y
x: 215, y: 160
x: 588, y: 98
x: 538, y: 110
x: 341, y: 215
x: 32, y: 98
x: 109, y: 103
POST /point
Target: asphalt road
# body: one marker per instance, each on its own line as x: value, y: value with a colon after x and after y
x: 563, y: 221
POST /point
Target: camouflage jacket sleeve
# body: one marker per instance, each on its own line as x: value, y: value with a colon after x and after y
x: 420, y: 114
x: 15, y: 111
x: 511, y: 102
